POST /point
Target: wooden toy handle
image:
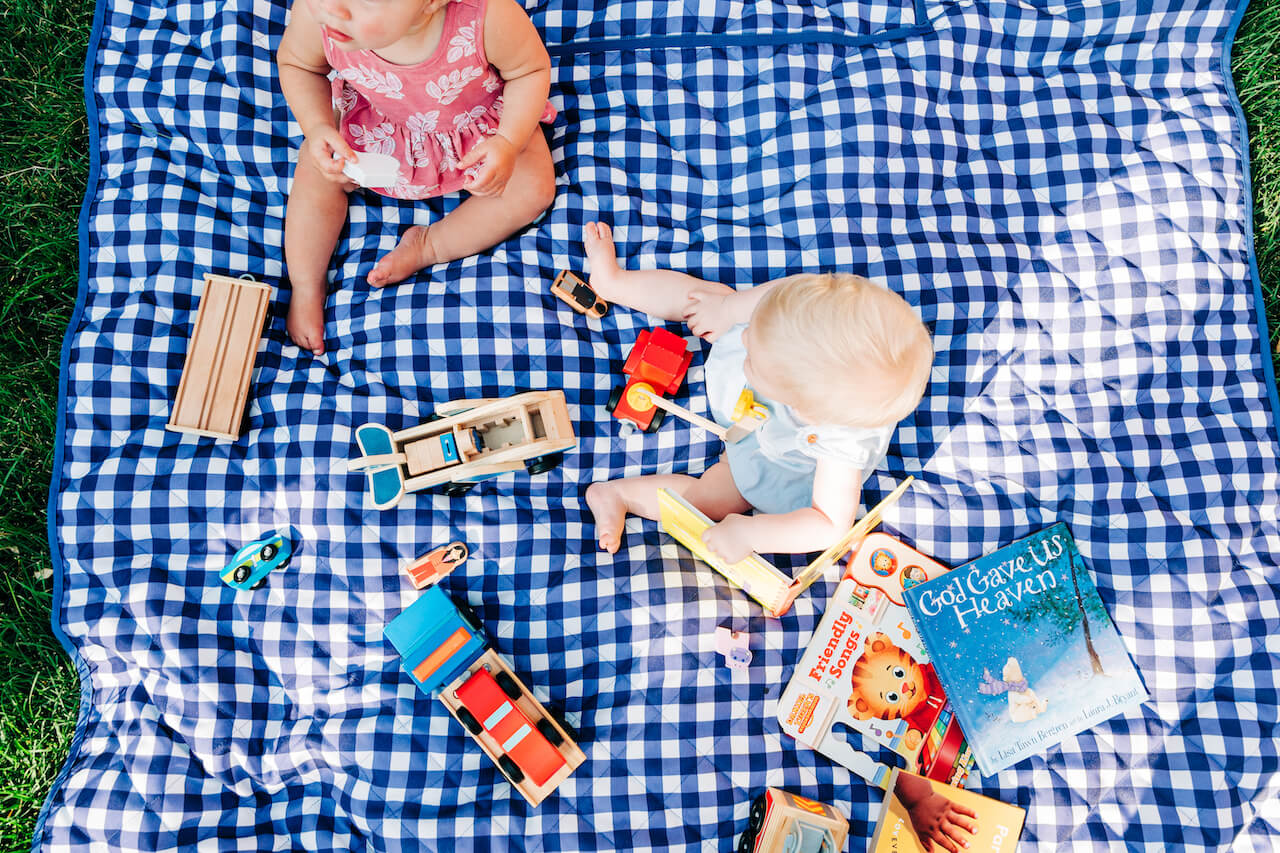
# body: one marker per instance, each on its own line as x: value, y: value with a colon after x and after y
x: 681, y: 412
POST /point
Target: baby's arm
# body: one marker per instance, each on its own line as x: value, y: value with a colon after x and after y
x: 709, y: 314
x: 513, y: 46
x: 303, y: 78
x: 837, y: 488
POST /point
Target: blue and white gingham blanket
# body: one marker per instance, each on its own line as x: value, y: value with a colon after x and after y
x: 1059, y: 185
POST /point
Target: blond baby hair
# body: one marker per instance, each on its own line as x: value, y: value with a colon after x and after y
x: 854, y: 353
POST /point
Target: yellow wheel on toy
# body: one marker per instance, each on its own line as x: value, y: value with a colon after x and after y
x: 638, y: 397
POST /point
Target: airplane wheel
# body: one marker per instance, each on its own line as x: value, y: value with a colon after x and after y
x: 615, y: 397
x: 511, y: 769
x: 550, y: 732
x: 545, y: 463
x: 456, y: 490
x: 469, y: 720
x: 508, y: 685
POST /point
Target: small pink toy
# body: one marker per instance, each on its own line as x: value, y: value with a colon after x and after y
x: 733, y: 645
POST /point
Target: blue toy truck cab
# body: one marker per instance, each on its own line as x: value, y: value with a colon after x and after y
x: 436, y: 640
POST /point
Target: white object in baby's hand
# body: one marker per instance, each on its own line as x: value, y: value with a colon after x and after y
x: 372, y: 170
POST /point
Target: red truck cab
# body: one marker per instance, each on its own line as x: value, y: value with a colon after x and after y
x: 518, y: 738
x: 657, y: 364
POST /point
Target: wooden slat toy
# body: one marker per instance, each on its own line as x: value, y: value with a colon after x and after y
x: 214, y: 387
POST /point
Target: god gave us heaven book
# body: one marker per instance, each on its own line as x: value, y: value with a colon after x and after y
x: 1024, y: 648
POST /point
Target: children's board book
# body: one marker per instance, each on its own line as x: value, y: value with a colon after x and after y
x: 1025, y: 648
x: 755, y: 575
x: 865, y: 676
x: 924, y: 816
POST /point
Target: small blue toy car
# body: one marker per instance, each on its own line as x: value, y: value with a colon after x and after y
x: 250, y: 566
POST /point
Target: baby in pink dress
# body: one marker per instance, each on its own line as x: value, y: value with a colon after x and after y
x: 454, y: 90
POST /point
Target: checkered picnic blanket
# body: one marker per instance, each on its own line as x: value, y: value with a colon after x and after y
x: 1059, y: 185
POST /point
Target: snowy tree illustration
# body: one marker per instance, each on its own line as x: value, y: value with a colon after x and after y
x: 1064, y: 609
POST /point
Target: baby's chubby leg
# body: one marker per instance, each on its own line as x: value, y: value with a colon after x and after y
x: 479, y: 223
x: 659, y: 293
x: 316, y: 212
x: 610, y: 502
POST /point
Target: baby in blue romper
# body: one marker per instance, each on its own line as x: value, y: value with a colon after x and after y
x: 837, y: 359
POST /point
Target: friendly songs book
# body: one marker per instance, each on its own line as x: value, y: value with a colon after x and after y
x: 924, y: 816
x: 1024, y: 648
x: 865, y: 675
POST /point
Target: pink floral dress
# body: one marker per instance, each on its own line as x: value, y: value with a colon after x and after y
x: 429, y: 115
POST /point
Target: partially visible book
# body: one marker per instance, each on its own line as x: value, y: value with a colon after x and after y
x: 1025, y: 648
x: 865, y: 678
x: 924, y: 816
x: 754, y: 575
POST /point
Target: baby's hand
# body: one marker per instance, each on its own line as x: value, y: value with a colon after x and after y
x: 330, y: 152
x: 497, y: 155
x: 708, y: 314
x: 938, y: 821
x: 729, y: 539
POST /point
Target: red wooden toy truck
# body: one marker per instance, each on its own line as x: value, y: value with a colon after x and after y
x: 656, y: 366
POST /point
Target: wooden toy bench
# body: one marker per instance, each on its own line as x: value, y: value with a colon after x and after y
x: 214, y: 387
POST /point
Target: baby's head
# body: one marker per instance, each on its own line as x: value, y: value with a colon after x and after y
x: 838, y: 349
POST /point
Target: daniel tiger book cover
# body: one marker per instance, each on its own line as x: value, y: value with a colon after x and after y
x: 865, y: 680
x: 1025, y: 648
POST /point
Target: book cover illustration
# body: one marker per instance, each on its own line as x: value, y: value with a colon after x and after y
x: 1025, y: 648
x: 865, y: 676
x: 924, y: 816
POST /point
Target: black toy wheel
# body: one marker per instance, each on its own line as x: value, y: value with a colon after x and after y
x: 545, y: 463
x: 508, y: 685
x: 550, y: 732
x: 468, y: 614
x: 469, y: 720
x: 456, y: 490
x: 755, y: 819
x: 268, y: 551
x: 512, y: 769
x: 747, y: 843
x: 658, y: 417
x: 615, y: 397
x: 262, y: 580
x: 241, y: 574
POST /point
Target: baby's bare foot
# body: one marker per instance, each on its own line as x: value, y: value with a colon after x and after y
x: 412, y: 253
x: 597, y: 239
x: 306, y: 318
x: 609, y: 509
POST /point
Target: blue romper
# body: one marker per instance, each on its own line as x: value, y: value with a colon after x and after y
x: 774, y: 467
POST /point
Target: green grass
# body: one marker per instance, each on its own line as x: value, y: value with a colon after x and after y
x: 43, y: 168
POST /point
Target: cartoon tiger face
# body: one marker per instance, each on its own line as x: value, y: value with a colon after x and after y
x: 887, y: 682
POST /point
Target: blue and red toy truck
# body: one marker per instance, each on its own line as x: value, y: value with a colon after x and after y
x: 443, y: 649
